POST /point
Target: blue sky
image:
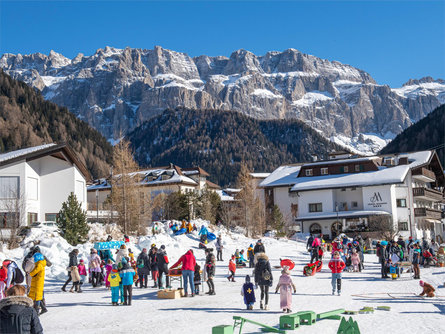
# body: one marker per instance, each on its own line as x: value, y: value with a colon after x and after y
x: 392, y: 40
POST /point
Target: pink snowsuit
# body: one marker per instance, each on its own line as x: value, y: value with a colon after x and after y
x: 355, y: 261
x: 108, y: 268
x: 285, y: 284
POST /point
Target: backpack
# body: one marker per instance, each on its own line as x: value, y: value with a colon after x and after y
x: 18, y: 276
x: 140, y: 263
x: 265, y: 274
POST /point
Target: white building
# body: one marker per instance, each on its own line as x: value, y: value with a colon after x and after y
x: 34, y: 182
x: 346, y: 195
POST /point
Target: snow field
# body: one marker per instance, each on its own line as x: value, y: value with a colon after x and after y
x: 92, y: 312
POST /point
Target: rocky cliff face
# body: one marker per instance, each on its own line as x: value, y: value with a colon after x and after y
x: 116, y: 90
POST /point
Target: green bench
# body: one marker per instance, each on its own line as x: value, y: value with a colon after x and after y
x: 239, y: 321
x: 294, y: 320
x: 335, y: 314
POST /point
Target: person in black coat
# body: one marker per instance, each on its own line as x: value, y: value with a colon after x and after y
x: 143, y: 265
x: 162, y: 261
x: 72, y: 262
x: 259, y: 248
x: 263, y: 277
x: 210, y: 267
x: 154, y: 265
x: 17, y: 314
x: 309, y: 242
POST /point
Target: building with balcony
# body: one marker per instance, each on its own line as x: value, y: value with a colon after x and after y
x: 359, y: 194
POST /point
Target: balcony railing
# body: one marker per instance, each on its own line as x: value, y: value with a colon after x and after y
x: 429, y: 194
x: 427, y: 213
x: 424, y: 174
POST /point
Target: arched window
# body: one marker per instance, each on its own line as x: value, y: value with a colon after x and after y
x: 336, y: 229
x: 315, y: 228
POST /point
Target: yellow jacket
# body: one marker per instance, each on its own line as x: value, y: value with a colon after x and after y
x: 37, y: 281
x: 114, y: 279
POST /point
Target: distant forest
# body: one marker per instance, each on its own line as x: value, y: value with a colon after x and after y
x: 26, y: 119
x: 427, y: 133
x: 219, y: 141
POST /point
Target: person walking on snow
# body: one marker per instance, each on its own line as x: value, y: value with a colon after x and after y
x: 72, y: 262
x: 248, y: 293
x: 37, y: 281
x: 219, y: 248
x: 94, y: 262
x: 114, y: 280
x: 355, y: 260
x: 259, y: 247
x: 285, y: 285
x: 232, y: 269
x: 251, y: 256
x: 336, y: 265
x: 263, y: 277
x: 127, y: 275
x: 210, y: 270
x: 143, y: 267
x: 162, y: 262
x: 188, y: 262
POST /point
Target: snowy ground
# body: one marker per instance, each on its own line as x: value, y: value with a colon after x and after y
x: 92, y: 312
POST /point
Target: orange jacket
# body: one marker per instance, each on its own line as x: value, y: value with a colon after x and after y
x: 232, y: 265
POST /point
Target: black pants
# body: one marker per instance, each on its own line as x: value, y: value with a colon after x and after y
x: 383, y: 269
x: 167, y: 279
x: 315, y: 256
x: 219, y: 255
x: 67, y: 281
x: 143, y: 280
x: 95, y: 278
x: 265, y: 293
x: 211, y: 284
x: 128, y: 294
x: 251, y: 262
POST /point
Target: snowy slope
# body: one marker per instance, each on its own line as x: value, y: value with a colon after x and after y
x: 91, y: 312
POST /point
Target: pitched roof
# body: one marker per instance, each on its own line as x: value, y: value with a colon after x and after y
x: 282, y: 176
x: 212, y: 185
x: 36, y: 152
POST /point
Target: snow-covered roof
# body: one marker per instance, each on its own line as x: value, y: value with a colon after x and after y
x: 282, y: 176
x: 342, y: 214
x: 416, y: 159
x: 23, y: 152
x: 232, y: 190
x: 384, y: 175
x: 224, y: 196
x: 339, y: 161
x: 259, y: 175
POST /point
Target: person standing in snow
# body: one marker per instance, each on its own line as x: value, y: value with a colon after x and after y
x: 127, y: 275
x: 154, y: 265
x: 114, y: 280
x: 309, y: 242
x: 315, y: 253
x: 416, y: 261
x: 17, y: 314
x: 210, y: 270
x: 232, y: 269
x: 37, y: 281
x: 14, y: 275
x: 188, y: 262
x: 162, y: 262
x: 285, y: 285
x: 251, y: 256
x: 259, y: 247
x: 143, y: 265
x: 72, y: 262
x: 336, y: 265
x: 263, y: 277
x: 94, y: 263
x: 247, y: 291
x: 355, y: 260
x: 3, y: 277
x: 121, y: 253
x: 219, y: 248
x: 82, y: 273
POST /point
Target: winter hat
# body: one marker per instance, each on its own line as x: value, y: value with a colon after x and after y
x: 421, y: 283
x: 285, y: 270
x: 247, y: 279
x: 38, y: 257
x: 114, y: 268
x: 124, y: 260
x: 251, y: 246
x: 36, y: 249
x: 163, y: 247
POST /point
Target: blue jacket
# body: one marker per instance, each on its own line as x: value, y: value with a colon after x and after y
x: 127, y: 275
x: 203, y: 230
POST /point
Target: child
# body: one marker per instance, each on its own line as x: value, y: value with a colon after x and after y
x: 108, y: 269
x: 428, y: 290
x: 232, y: 269
x: 355, y: 260
x: 3, y: 277
x: 251, y: 256
x: 197, y: 278
x: 285, y: 284
x: 127, y: 275
x: 248, y: 293
x: 114, y: 279
x: 82, y: 273
x: 336, y: 265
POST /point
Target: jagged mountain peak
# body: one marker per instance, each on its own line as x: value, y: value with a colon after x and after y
x: 427, y: 79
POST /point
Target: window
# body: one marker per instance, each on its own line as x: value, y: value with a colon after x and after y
x: 315, y: 228
x: 9, y: 219
x: 324, y: 171
x: 308, y: 172
x: 32, y: 217
x: 403, y: 226
x: 353, y: 188
x: 354, y: 204
x: 315, y: 207
x: 80, y: 190
x: 51, y: 217
x: 343, y: 189
x: 401, y: 203
x: 362, y: 168
x: 357, y: 168
x: 9, y: 187
x: 346, y: 169
x: 33, y: 189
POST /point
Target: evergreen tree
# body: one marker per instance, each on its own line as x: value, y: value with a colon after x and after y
x: 72, y: 221
x: 277, y: 221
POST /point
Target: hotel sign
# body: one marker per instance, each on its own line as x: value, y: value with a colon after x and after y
x: 376, y: 200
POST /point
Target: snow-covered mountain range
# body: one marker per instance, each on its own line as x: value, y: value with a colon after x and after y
x: 115, y: 90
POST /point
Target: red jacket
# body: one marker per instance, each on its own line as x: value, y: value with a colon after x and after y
x: 336, y: 265
x: 232, y: 266
x: 3, y: 274
x: 188, y: 261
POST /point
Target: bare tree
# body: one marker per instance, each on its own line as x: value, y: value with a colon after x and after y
x: 13, y: 216
x: 384, y: 226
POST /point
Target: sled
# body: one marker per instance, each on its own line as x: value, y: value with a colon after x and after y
x: 312, y: 268
x: 181, y: 231
x: 287, y: 262
x: 211, y: 236
x: 239, y: 321
x: 108, y: 245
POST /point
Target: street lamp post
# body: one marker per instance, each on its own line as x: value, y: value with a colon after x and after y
x: 97, y: 205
